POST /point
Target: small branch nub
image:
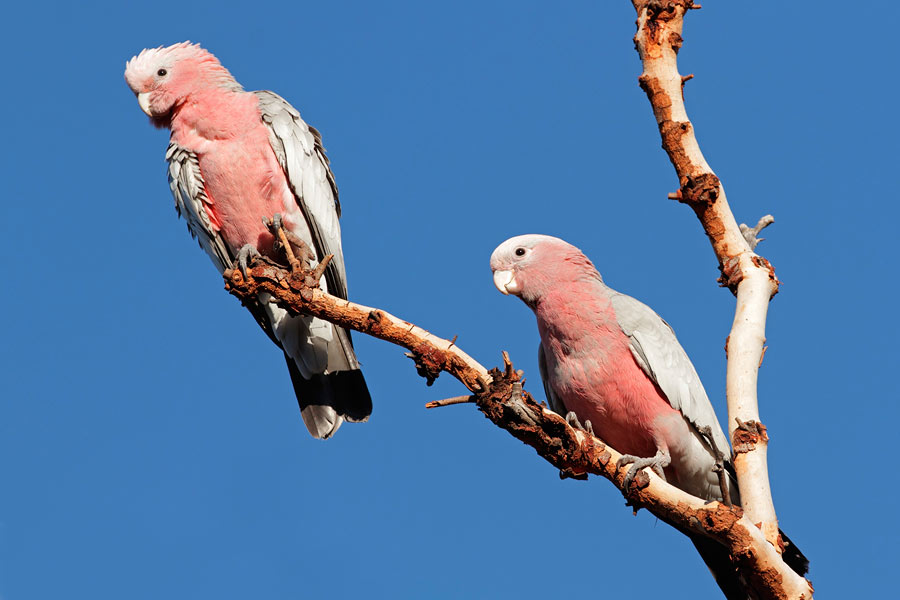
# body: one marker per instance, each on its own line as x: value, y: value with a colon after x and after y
x: 750, y: 233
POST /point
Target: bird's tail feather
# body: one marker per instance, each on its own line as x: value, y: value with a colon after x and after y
x: 793, y: 557
x: 723, y: 570
x: 327, y: 400
x: 726, y: 573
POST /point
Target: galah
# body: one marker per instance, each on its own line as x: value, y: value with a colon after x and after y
x: 236, y: 158
x: 606, y: 358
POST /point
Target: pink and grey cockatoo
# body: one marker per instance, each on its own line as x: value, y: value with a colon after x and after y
x: 610, y: 359
x: 235, y: 158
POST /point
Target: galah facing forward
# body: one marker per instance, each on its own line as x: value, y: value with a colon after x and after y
x: 613, y: 361
x: 238, y: 157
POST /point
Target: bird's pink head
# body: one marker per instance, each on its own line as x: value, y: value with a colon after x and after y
x: 529, y: 266
x: 164, y: 78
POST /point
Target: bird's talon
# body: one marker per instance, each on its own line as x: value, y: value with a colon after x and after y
x: 247, y: 254
x: 657, y: 462
x: 572, y: 420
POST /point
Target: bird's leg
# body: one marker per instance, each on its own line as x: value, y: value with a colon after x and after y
x: 572, y: 420
x: 657, y: 463
x: 288, y: 241
x: 719, y: 468
x: 247, y: 254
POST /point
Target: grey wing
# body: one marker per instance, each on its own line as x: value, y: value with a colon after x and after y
x: 553, y: 400
x: 329, y: 385
x: 191, y: 202
x: 656, y: 349
x: 299, y: 150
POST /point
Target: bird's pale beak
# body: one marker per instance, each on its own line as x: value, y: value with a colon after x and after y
x: 144, y: 102
x: 506, y: 282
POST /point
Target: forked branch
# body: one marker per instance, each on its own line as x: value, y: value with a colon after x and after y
x: 749, y: 276
x: 499, y: 395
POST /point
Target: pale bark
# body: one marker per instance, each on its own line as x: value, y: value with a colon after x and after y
x: 499, y: 395
x: 749, y: 533
x: 751, y: 277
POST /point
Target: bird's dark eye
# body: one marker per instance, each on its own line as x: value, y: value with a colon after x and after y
x: 162, y: 72
x: 520, y: 251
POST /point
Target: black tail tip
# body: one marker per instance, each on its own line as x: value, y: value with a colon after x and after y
x: 329, y: 399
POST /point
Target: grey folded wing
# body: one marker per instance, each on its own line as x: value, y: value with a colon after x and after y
x: 191, y: 202
x: 553, y: 400
x: 656, y: 349
x: 300, y: 153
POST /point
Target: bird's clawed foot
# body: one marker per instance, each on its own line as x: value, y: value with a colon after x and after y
x: 296, y: 251
x: 719, y: 467
x: 572, y: 420
x: 657, y: 463
x: 247, y: 254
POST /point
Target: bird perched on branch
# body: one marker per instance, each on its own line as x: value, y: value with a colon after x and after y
x: 607, y: 358
x: 235, y: 159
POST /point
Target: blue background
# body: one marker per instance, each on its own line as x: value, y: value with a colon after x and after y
x: 150, y: 443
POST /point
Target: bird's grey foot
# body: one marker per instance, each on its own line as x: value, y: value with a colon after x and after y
x: 296, y: 249
x: 706, y: 432
x: 572, y: 420
x: 719, y: 467
x: 657, y: 463
x: 247, y: 254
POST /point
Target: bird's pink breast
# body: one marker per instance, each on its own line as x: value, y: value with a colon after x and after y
x: 241, y: 172
x: 594, y: 374
x: 246, y: 184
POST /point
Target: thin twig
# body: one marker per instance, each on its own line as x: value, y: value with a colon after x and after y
x: 320, y: 268
x: 448, y: 401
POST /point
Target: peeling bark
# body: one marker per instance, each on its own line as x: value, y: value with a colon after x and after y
x: 498, y: 394
x: 750, y: 533
x: 749, y: 276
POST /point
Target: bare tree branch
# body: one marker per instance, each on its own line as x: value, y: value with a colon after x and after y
x: 298, y: 292
x: 499, y: 395
x: 751, y: 277
x: 750, y: 533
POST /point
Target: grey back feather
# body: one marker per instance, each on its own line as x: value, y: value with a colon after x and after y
x: 656, y: 349
x: 299, y: 150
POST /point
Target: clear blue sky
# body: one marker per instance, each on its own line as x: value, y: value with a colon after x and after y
x: 151, y: 446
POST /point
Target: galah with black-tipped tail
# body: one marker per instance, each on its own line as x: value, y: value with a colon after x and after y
x: 611, y: 360
x: 234, y: 159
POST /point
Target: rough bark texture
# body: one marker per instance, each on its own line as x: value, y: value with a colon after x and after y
x: 298, y: 292
x: 499, y: 395
x: 749, y: 276
x: 750, y: 533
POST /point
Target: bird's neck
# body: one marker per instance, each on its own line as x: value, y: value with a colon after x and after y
x: 214, y: 114
x: 575, y: 313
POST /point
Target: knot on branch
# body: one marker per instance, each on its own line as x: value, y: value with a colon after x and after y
x: 430, y: 360
x: 762, y: 263
x: 731, y: 274
x: 664, y: 10
x: 507, y: 405
x: 748, y: 435
x: 660, y: 12
x: 700, y: 190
